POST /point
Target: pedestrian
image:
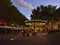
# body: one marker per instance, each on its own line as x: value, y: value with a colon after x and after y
x: 23, y: 34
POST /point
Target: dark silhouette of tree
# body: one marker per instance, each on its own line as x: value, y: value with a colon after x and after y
x: 45, y: 12
x: 10, y: 13
x: 58, y: 13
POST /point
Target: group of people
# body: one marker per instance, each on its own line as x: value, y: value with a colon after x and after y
x: 28, y: 33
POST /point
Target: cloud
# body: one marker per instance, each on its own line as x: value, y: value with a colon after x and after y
x: 22, y: 3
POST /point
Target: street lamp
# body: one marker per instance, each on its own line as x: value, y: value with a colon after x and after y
x: 34, y: 24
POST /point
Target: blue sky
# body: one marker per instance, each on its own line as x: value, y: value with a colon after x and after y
x: 25, y: 6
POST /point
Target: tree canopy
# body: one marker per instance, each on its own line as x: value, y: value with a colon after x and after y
x: 48, y: 13
x: 10, y: 13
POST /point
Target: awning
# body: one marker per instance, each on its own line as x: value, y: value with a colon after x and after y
x: 1, y: 22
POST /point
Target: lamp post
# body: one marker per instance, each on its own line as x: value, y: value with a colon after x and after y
x: 34, y: 32
x: 34, y: 24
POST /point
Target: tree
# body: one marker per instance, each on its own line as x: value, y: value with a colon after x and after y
x: 10, y: 13
x: 44, y: 12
